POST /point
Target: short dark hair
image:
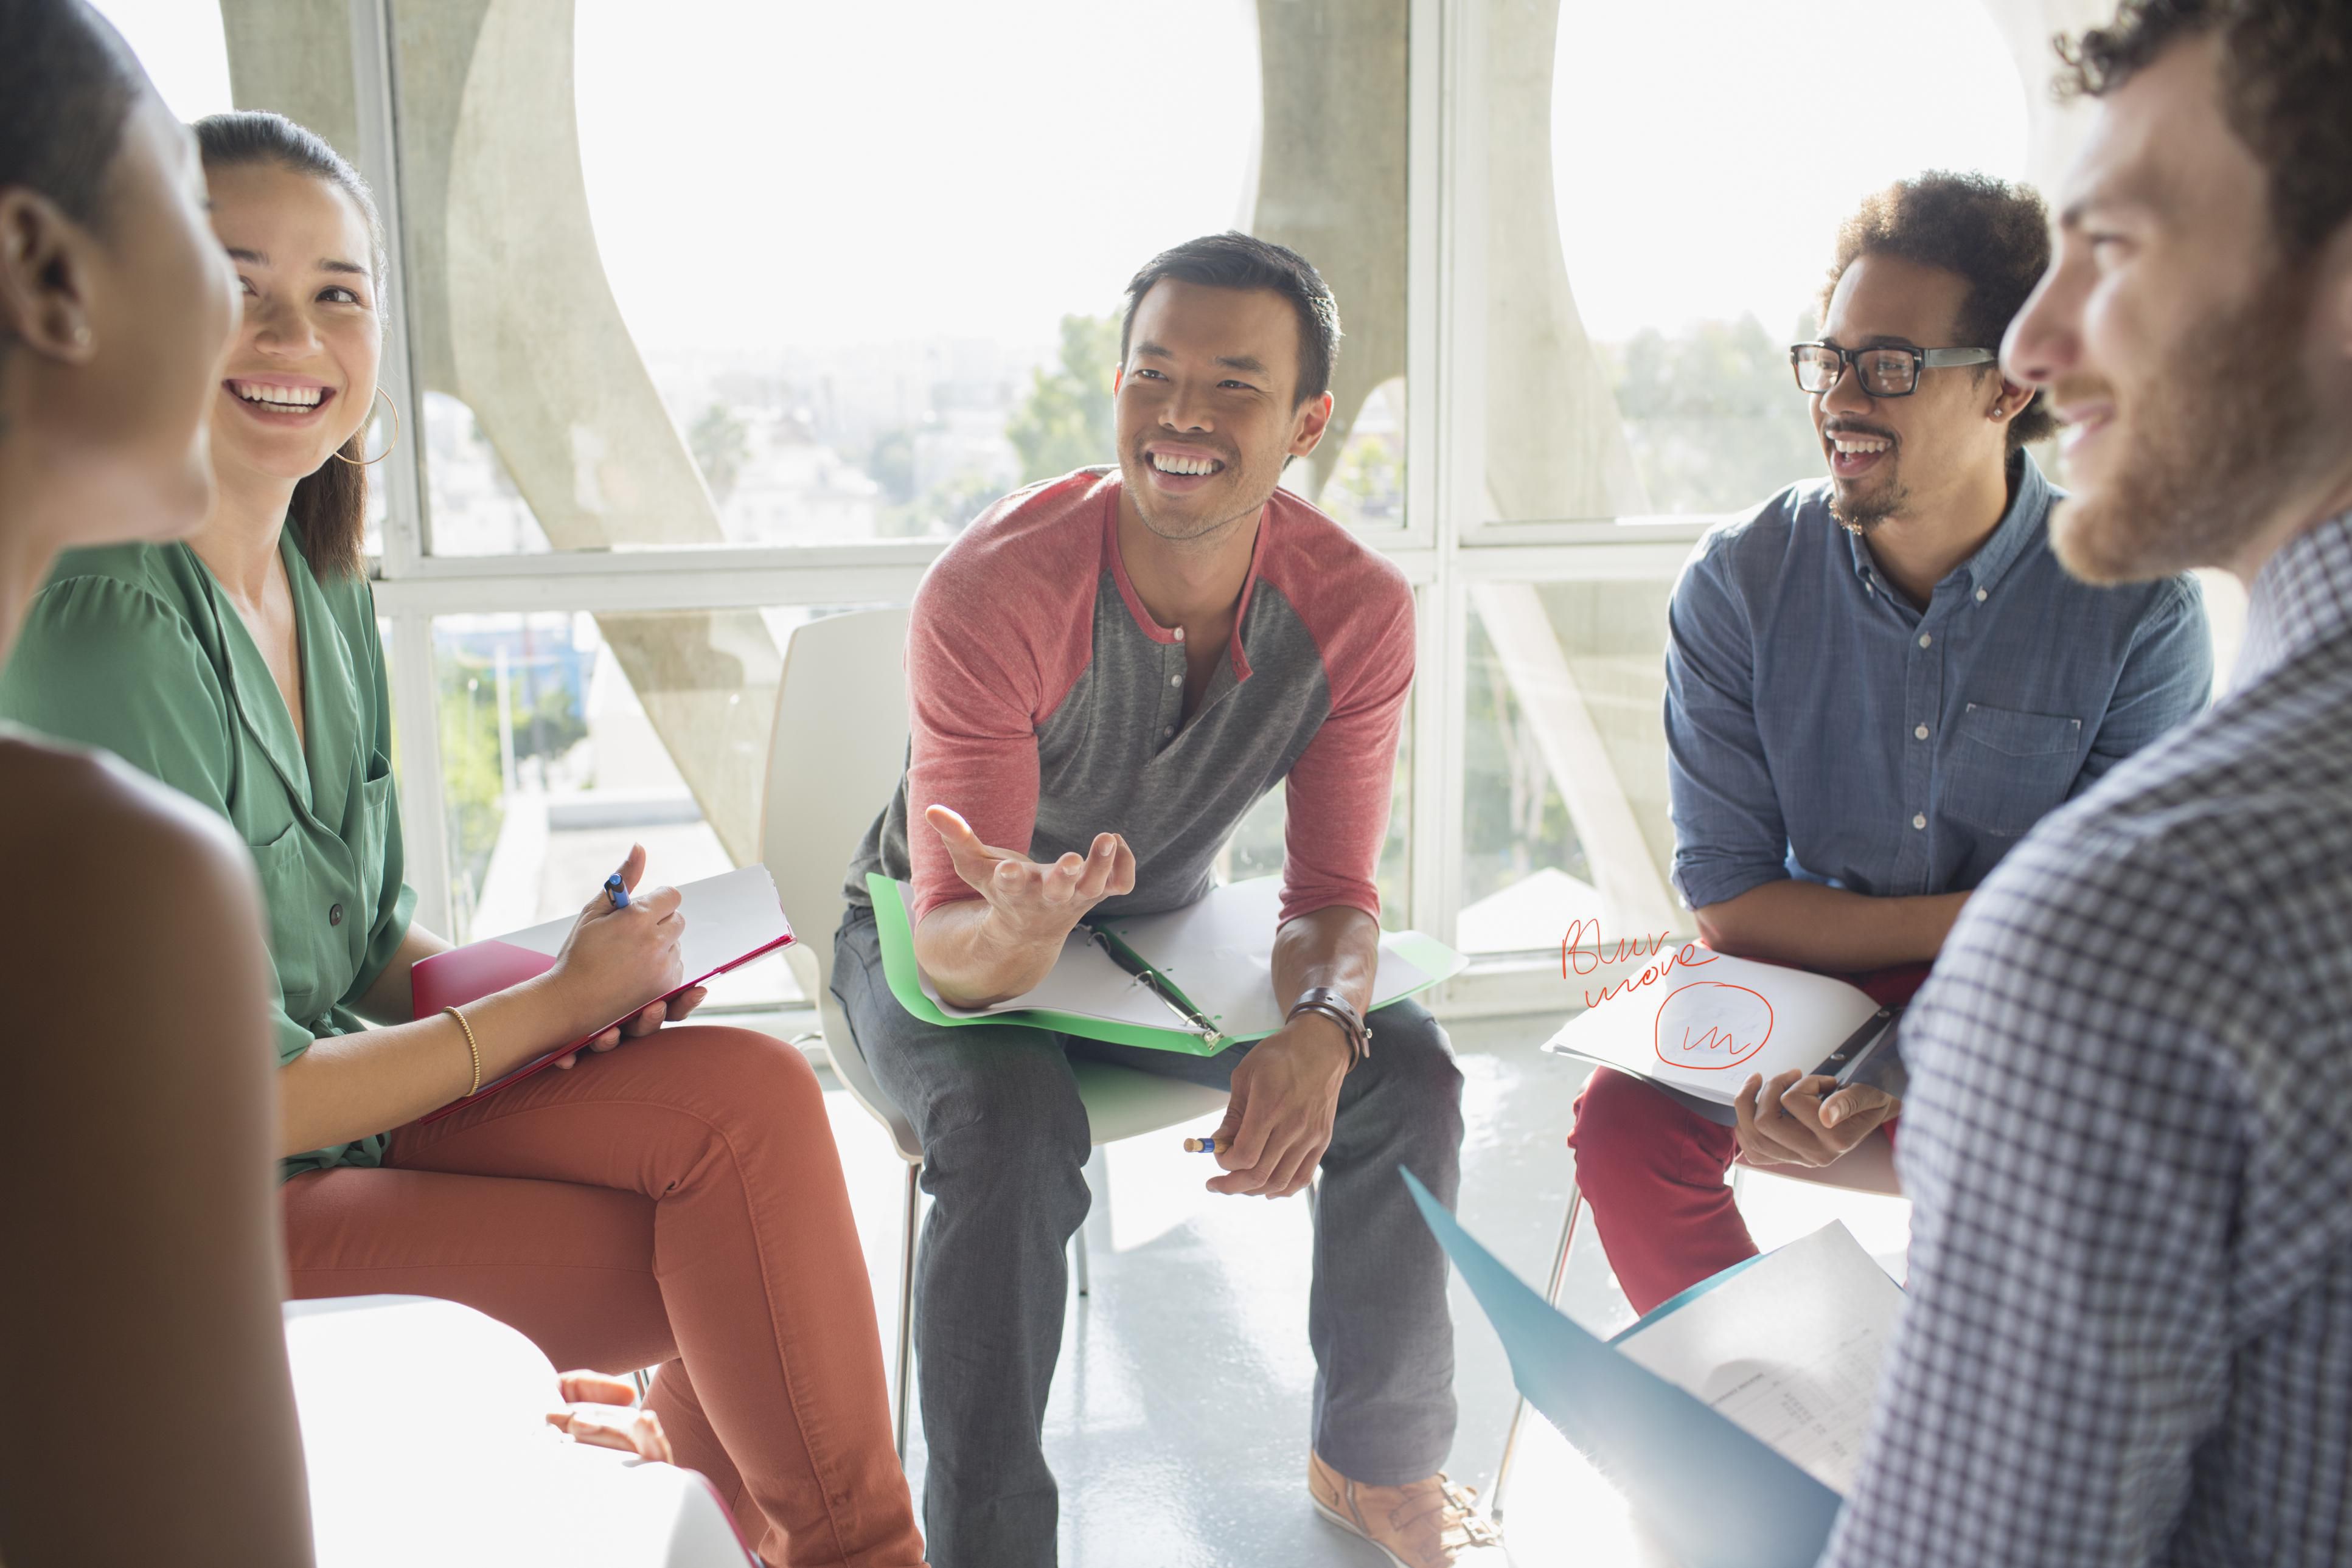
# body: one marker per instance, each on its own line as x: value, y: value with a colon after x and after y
x: 329, y: 511
x: 1236, y: 260
x: 2286, y: 83
x: 69, y: 82
x: 1993, y: 235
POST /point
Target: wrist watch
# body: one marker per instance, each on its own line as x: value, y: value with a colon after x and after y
x: 1339, y: 1009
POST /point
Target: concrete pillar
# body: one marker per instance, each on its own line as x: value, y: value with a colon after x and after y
x: 2053, y: 130
x: 1556, y: 448
x: 1331, y: 179
x: 510, y: 313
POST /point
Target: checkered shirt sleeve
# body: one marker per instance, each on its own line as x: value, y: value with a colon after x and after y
x: 2128, y: 1142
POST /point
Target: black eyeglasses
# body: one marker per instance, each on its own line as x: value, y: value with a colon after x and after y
x: 1884, y: 372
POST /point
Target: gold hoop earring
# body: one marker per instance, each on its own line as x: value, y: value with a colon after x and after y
x: 371, y: 462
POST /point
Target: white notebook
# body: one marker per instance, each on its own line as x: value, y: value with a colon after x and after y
x: 1788, y: 1348
x: 1711, y: 1019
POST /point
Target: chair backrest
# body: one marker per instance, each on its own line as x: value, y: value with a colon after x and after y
x: 837, y: 750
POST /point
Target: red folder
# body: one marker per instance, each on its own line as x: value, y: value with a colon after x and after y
x: 729, y: 921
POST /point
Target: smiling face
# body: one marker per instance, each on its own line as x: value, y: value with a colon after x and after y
x: 1206, y: 406
x: 300, y: 380
x: 1901, y: 456
x: 2170, y: 336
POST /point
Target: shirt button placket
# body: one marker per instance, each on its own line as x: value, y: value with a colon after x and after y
x: 1171, y: 694
x: 1923, y: 696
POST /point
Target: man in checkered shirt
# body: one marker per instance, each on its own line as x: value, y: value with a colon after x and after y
x: 2129, y: 1135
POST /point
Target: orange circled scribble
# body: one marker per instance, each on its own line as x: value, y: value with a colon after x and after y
x: 1709, y: 1026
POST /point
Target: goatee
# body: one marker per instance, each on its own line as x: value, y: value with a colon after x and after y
x: 1862, y: 515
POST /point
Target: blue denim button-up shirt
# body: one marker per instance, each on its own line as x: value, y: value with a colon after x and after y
x: 1820, y: 726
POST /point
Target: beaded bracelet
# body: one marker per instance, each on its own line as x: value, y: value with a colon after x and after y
x: 475, y: 1050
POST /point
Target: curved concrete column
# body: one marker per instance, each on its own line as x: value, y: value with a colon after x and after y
x: 2053, y: 130
x: 1555, y: 446
x: 510, y: 312
x: 1331, y: 179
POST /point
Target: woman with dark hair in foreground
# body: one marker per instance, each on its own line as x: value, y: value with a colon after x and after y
x: 151, y: 1416
x: 677, y: 1203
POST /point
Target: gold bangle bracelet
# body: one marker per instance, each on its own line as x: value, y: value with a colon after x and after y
x: 471, y: 1048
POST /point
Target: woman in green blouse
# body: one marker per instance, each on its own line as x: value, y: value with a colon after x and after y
x: 677, y: 1203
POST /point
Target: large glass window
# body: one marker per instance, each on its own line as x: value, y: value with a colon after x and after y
x: 1564, y: 781
x: 836, y: 279
x: 184, y: 47
x: 753, y: 306
x: 1665, y: 186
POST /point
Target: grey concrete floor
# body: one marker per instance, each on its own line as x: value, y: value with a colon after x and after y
x: 1178, y: 1422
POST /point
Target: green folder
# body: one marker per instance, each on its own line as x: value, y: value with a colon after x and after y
x: 1140, y: 980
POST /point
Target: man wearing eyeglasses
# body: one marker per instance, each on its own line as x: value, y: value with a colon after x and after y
x: 1875, y: 686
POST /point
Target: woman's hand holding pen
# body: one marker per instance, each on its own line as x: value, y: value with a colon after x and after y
x: 617, y: 954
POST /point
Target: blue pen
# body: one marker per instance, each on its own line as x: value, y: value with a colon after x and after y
x: 616, y: 891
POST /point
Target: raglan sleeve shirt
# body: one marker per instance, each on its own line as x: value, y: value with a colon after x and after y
x: 975, y: 695
x: 1336, y: 815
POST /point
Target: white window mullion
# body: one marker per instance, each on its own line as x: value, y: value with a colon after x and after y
x: 401, y: 474
x: 424, y: 820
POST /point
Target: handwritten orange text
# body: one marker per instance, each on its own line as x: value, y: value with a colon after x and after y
x: 1576, y: 956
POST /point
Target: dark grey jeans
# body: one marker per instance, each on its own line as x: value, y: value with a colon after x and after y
x: 1005, y: 1144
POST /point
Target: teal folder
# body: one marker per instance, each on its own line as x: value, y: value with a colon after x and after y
x: 1713, y: 1495
x: 1210, y: 961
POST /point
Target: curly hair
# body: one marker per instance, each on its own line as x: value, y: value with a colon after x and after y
x: 2286, y: 90
x: 1995, y: 235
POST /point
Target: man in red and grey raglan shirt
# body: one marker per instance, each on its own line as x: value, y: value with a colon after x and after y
x: 1105, y: 673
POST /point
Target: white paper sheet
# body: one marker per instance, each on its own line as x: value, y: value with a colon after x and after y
x: 1788, y: 1349
x: 1084, y: 982
x: 1219, y: 952
x: 726, y: 916
x: 1704, y: 1027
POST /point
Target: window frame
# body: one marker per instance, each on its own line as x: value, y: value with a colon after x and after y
x: 1445, y: 545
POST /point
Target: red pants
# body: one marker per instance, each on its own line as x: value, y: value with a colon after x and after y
x: 1652, y: 1172
x: 677, y: 1203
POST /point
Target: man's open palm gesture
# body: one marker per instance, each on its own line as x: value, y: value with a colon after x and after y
x: 1035, y: 901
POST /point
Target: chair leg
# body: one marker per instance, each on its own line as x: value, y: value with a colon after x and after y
x: 1494, y: 1505
x: 1098, y: 1177
x: 907, y: 1306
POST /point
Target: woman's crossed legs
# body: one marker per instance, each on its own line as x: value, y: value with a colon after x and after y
x: 677, y: 1203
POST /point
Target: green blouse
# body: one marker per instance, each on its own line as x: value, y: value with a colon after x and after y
x: 135, y: 649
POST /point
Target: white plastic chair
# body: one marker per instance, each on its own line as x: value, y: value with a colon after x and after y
x: 1868, y: 1166
x: 839, y: 747
x: 476, y: 1478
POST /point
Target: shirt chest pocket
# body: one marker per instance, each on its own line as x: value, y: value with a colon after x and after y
x: 297, y: 929
x: 374, y: 829
x: 2007, y: 769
